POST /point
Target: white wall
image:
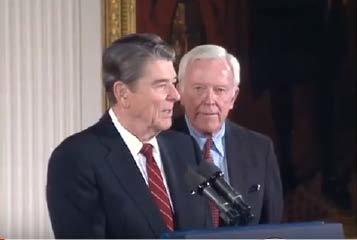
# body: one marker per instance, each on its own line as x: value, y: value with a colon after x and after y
x: 50, y: 87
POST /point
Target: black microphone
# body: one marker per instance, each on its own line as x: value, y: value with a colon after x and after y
x: 213, y: 173
x: 197, y: 184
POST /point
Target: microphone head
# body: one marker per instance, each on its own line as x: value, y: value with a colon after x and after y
x: 193, y: 180
x: 208, y: 169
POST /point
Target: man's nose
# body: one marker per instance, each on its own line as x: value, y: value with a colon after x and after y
x: 173, y: 94
x: 209, y: 96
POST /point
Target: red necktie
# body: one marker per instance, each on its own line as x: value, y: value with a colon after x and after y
x: 157, y: 187
x: 208, y: 157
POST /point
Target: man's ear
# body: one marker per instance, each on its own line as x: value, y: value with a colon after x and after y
x: 121, y: 93
x: 235, y: 96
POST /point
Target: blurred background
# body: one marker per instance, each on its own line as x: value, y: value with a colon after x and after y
x: 298, y: 78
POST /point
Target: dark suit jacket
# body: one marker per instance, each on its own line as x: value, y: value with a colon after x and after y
x: 251, y: 161
x: 95, y: 189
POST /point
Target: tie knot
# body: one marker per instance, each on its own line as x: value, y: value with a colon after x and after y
x: 209, y: 142
x: 146, y: 150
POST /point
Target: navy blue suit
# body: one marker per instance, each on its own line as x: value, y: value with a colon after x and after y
x: 95, y: 189
x: 252, y: 168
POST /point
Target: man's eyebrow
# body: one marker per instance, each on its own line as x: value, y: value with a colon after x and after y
x: 162, y: 80
x: 158, y: 81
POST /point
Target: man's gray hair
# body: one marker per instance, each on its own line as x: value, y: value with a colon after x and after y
x: 209, y: 51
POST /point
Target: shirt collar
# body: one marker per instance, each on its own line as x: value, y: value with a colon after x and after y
x: 217, y: 138
x: 131, y: 141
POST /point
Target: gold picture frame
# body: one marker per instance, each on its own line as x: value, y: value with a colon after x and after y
x: 120, y: 19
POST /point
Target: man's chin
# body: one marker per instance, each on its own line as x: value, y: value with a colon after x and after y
x: 165, y: 125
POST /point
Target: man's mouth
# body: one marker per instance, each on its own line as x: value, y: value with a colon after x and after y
x: 208, y: 114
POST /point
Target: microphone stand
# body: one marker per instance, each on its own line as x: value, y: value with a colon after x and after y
x: 243, y: 209
x: 228, y: 212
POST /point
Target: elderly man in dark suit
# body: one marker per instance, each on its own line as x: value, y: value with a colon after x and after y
x: 122, y: 177
x: 208, y: 85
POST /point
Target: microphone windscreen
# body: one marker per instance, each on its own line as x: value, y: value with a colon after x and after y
x: 193, y: 179
x: 207, y: 169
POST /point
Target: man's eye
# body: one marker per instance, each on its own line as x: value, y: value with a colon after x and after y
x: 162, y: 85
x: 220, y: 90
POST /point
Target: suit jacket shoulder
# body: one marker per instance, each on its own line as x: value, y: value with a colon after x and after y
x: 248, y: 134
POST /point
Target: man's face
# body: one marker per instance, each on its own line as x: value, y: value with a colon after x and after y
x: 152, y: 97
x: 208, y: 93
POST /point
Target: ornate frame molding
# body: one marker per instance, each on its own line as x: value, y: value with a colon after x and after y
x: 120, y: 19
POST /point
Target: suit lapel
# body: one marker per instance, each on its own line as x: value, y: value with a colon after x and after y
x: 236, y: 155
x: 244, y: 171
x: 171, y: 169
x: 129, y: 175
x: 175, y: 170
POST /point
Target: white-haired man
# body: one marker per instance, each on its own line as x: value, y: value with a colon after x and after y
x: 208, y: 86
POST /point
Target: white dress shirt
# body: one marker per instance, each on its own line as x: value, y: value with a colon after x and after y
x: 134, y: 145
